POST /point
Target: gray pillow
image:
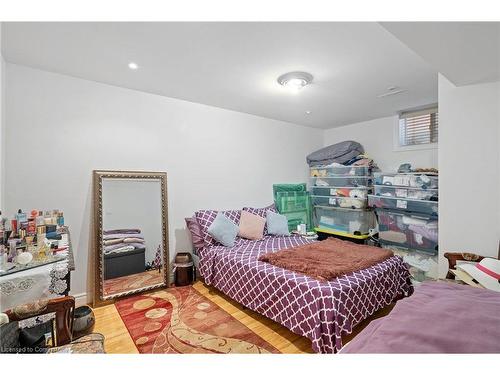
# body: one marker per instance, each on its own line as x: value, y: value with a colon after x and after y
x: 277, y: 224
x: 223, y: 230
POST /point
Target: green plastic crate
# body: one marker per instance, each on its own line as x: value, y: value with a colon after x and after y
x: 285, y: 188
x: 293, y: 201
x: 296, y: 218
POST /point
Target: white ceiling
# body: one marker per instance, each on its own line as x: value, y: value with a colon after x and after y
x: 235, y: 65
x: 464, y: 52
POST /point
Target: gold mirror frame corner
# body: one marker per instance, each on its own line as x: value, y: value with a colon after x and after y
x: 97, y: 176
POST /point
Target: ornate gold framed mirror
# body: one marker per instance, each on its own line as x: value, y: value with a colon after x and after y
x: 130, y: 233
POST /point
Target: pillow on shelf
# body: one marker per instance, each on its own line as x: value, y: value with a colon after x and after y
x: 223, y: 230
x: 205, y: 218
x: 277, y: 224
x: 262, y: 212
x: 196, y: 232
x: 251, y: 226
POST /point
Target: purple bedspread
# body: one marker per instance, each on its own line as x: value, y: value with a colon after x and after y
x: 320, y: 311
x: 439, y: 317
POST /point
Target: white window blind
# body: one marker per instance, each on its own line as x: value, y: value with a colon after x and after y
x: 418, y: 127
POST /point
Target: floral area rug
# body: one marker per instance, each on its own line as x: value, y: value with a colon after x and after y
x: 180, y: 320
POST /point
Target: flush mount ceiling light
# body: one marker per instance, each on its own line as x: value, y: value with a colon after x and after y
x: 133, y: 66
x: 295, y: 80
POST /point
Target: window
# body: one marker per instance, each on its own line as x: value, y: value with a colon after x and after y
x: 418, y: 127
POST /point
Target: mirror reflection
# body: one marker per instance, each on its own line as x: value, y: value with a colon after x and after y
x: 132, y: 239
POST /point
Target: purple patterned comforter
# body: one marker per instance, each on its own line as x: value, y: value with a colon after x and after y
x: 320, y: 311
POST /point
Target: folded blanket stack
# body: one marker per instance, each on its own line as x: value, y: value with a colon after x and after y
x: 122, y: 240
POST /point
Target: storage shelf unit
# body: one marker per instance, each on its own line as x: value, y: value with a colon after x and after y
x: 339, y: 200
x: 406, y: 205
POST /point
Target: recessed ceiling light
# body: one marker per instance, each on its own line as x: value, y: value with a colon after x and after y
x: 133, y: 66
x: 392, y: 90
x: 295, y: 80
x: 308, y: 112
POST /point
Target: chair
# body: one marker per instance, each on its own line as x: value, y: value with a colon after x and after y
x: 62, y: 325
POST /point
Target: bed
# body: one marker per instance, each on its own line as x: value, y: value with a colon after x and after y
x: 440, y: 317
x: 320, y: 311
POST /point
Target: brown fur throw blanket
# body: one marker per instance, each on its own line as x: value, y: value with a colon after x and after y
x: 328, y: 259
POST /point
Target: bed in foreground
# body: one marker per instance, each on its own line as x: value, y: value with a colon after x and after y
x: 439, y: 317
x: 320, y: 311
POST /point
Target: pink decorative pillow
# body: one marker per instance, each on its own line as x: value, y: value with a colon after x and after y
x: 251, y: 226
x: 205, y: 218
x: 196, y: 232
x: 262, y: 212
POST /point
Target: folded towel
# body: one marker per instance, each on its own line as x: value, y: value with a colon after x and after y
x: 113, y: 242
x: 137, y: 245
x: 122, y: 249
x: 117, y: 231
x: 122, y: 235
x: 132, y: 240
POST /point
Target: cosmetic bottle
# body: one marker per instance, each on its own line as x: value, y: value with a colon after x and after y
x: 13, y: 225
x: 43, y: 251
x: 30, y: 246
x: 31, y: 226
x: 60, y: 219
x: 40, y: 241
x: 21, y: 217
x: 3, y: 257
x: 55, y: 215
x: 39, y: 219
x: 2, y: 229
x: 12, y: 250
x: 47, y: 218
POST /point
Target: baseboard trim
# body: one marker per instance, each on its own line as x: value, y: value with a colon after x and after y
x: 80, y: 299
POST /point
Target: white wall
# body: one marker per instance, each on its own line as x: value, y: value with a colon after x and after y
x: 469, y: 166
x: 377, y: 137
x: 58, y: 129
x: 2, y: 122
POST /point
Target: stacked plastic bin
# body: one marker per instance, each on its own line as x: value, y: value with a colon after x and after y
x: 293, y: 201
x: 406, y: 205
x: 339, y: 199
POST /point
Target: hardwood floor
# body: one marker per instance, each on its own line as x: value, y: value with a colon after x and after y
x: 118, y: 340
x: 109, y: 323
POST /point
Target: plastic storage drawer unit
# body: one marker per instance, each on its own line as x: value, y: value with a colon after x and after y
x: 349, y: 192
x: 352, y: 181
x: 340, y: 170
x: 406, y: 192
x: 416, y: 180
x: 412, y: 205
x: 411, y: 231
x: 343, y: 202
x: 344, y: 220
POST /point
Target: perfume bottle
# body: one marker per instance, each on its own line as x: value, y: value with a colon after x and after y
x: 40, y: 243
x: 47, y: 218
x: 30, y: 247
x: 39, y: 219
x: 12, y: 250
x: 43, y: 251
x: 3, y: 256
